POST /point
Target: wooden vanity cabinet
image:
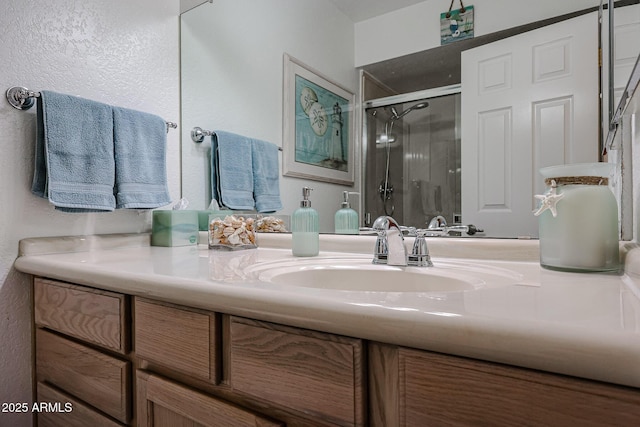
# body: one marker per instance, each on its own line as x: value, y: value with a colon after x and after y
x: 81, y: 347
x: 193, y: 367
x: 259, y: 371
x: 418, y: 388
x: 179, y: 351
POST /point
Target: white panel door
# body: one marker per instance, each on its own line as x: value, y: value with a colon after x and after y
x: 528, y: 101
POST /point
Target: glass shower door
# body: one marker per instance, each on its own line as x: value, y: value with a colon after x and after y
x: 412, y: 168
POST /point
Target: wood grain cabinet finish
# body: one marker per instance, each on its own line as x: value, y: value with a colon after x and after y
x: 303, y: 377
x: 164, y: 403
x: 80, y: 414
x: 92, y: 315
x: 180, y: 338
x: 100, y: 380
x: 417, y: 388
x: 318, y: 374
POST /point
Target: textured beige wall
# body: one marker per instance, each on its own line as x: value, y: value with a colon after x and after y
x: 120, y: 52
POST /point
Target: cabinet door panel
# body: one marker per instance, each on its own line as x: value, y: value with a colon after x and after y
x: 87, y: 374
x: 314, y: 373
x: 162, y: 402
x: 437, y: 389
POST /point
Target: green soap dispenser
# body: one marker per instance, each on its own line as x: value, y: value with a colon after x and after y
x: 346, y: 219
x: 305, y: 228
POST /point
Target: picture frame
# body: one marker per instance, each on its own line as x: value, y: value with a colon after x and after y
x: 318, y: 126
x: 456, y: 25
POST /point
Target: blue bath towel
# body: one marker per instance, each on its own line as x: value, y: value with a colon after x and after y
x: 140, y: 143
x: 266, y: 173
x: 74, y: 163
x: 231, y: 170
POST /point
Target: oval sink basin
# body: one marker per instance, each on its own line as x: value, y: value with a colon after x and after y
x: 361, y: 275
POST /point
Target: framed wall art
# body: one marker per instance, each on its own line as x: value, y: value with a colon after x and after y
x: 318, y: 126
x: 456, y: 24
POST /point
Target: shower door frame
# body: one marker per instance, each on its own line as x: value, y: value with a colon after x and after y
x: 385, y: 102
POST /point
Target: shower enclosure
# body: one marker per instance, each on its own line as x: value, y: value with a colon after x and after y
x: 412, y: 151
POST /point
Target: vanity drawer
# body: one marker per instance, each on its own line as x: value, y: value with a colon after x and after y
x: 91, y: 315
x: 69, y: 412
x: 318, y: 374
x: 180, y: 338
x: 102, y: 381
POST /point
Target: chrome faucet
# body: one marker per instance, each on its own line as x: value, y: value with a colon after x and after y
x: 438, y: 227
x: 389, y: 247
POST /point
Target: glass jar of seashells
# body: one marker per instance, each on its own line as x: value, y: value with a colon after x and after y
x: 232, y: 232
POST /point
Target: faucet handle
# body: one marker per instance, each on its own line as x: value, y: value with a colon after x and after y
x: 381, y: 250
x: 420, y: 253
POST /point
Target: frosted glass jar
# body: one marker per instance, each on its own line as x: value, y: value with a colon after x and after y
x: 583, y: 236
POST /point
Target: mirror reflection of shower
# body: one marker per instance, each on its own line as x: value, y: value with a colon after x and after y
x: 385, y: 189
x: 414, y: 159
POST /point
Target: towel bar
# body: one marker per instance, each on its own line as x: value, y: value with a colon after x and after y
x: 198, y: 134
x: 22, y: 98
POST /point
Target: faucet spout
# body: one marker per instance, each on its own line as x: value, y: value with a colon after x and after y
x: 384, y: 223
x: 390, y: 247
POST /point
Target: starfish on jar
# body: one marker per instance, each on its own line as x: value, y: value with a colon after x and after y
x: 549, y: 200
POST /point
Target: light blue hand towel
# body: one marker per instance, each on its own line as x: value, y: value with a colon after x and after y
x: 74, y: 163
x: 232, y: 170
x: 266, y: 173
x: 140, y: 143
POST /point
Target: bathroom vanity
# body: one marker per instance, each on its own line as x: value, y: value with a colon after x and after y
x: 136, y: 335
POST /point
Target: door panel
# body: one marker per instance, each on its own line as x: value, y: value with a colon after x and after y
x: 528, y: 101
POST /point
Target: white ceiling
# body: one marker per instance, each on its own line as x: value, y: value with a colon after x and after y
x: 361, y: 10
x: 357, y: 10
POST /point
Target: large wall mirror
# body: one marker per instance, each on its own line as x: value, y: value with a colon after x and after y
x: 389, y: 55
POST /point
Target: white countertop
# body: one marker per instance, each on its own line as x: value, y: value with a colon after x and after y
x: 586, y: 325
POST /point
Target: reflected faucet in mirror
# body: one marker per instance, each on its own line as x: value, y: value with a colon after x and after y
x: 438, y: 227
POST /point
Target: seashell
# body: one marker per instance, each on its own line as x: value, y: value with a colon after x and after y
x: 234, y: 239
x: 232, y: 230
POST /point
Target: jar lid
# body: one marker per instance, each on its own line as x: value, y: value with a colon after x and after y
x: 578, y: 169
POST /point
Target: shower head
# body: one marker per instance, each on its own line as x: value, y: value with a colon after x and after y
x: 396, y: 116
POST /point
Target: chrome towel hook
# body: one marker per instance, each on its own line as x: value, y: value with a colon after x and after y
x: 21, y: 98
x: 198, y: 134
